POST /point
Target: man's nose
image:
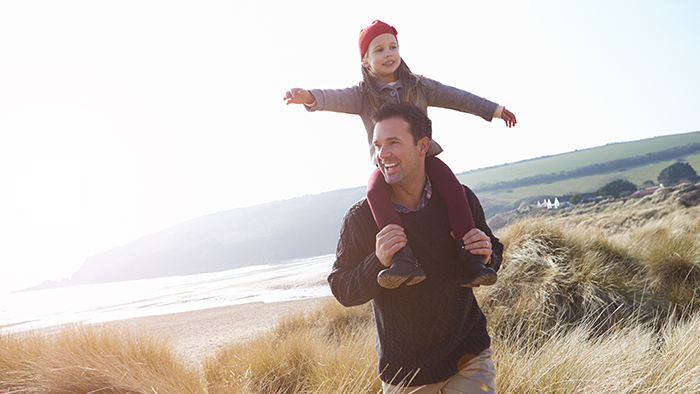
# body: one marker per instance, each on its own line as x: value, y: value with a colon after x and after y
x: 383, y: 152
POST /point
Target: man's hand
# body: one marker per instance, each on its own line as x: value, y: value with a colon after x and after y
x: 299, y: 96
x: 477, y: 242
x: 389, y: 241
x: 508, y: 117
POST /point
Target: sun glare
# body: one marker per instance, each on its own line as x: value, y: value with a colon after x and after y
x: 50, y: 191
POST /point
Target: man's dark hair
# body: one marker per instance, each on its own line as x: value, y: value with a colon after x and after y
x: 421, y: 126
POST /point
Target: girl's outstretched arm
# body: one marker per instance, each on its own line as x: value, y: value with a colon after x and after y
x: 299, y: 96
x: 444, y: 96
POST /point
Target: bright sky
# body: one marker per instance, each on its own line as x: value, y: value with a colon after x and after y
x: 120, y: 119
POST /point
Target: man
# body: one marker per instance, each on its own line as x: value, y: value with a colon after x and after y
x: 430, y: 336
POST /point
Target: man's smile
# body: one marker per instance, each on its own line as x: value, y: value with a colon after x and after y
x: 390, y: 167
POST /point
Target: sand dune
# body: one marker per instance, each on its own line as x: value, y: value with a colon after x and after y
x: 199, y: 333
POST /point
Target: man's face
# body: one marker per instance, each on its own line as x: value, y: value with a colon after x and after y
x: 400, y: 160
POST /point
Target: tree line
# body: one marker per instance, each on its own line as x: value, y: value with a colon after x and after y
x: 671, y: 175
x: 593, y: 169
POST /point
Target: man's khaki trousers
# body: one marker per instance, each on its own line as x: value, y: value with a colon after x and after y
x: 477, y: 376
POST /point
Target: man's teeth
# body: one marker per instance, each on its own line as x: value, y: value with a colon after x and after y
x: 390, y: 165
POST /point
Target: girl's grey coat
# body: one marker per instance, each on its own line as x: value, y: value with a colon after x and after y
x: 432, y: 94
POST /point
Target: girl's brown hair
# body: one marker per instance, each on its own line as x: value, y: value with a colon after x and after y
x: 409, y: 82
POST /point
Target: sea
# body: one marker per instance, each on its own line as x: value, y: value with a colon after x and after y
x: 97, y: 303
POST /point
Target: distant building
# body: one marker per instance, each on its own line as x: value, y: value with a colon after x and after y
x: 647, y: 191
x: 549, y: 204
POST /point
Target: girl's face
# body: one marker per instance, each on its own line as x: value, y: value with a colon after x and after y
x: 382, y: 57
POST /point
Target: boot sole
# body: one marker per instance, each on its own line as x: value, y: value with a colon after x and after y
x: 392, y: 282
x: 487, y: 279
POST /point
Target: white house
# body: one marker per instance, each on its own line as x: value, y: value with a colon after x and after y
x: 548, y: 204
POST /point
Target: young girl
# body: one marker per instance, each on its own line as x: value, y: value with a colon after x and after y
x: 387, y: 78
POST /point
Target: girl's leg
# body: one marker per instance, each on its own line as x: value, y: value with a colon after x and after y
x: 379, y: 199
x: 450, y: 189
x: 444, y: 181
x: 404, y: 266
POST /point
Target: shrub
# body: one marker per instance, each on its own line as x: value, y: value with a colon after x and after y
x: 616, y: 188
x: 676, y: 173
x: 576, y: 198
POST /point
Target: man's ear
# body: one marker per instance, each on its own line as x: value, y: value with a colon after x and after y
x: 424, y: 145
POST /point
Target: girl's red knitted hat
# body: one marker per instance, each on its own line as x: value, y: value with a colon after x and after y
x: 373, y: 30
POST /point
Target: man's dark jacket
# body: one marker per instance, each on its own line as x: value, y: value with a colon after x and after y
x: 422, y: 330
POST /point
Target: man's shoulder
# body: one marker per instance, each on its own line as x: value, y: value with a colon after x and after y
x: 361, y: 211
x: 471, y: 196
x: 358, y: 210
x: 468, y: 191
x: 358, y: 221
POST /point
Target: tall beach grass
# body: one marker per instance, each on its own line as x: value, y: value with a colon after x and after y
x: 84, y: 359
x: 327, y: 350
x: 602, y: 298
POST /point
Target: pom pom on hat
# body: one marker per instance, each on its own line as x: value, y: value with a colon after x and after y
x: 370, y: 32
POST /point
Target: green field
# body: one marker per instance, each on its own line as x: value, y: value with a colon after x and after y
x: 573, y: 160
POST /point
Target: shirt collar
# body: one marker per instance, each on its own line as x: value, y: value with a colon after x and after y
x: 396, y: 84
x: 427, y: 193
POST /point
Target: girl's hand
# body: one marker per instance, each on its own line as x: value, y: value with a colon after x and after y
x: 508, y: 117
x: 477, y: 242
x: 299, y: 96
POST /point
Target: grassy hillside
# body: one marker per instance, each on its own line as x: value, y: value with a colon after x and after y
x: 574, y: 160
x: 587, y: 184
x: 308, y: 226
x: 601, y: 298
x: 284, y: 230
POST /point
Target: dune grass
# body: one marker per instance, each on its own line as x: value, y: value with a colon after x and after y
x: 327, y: 350
x: 599, y: 298
x: 629, y: 359
x: 84, y: 359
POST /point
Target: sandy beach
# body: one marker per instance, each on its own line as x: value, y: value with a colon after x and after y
x: 187, y: 311
x: 199, y: 333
